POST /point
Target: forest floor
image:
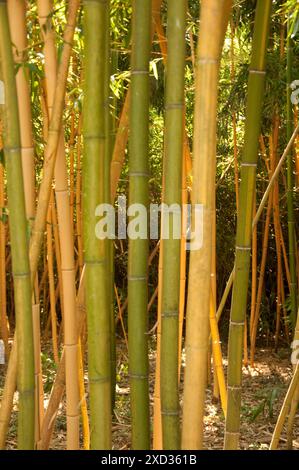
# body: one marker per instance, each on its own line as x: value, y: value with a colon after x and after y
x: 264, y: 388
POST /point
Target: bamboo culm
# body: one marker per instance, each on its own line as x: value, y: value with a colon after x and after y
x: 173, y: 151
x: 138, y: 248
x: 19, y: 241
x: 95, y: 250
x: 244, y: 221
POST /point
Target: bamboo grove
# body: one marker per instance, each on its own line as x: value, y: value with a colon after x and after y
x: 149, y: 174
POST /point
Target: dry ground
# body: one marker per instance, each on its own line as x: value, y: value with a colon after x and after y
x: 264, y: 388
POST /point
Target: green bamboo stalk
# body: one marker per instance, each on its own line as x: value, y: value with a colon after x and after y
x: 290, y: 187
x: 19, y: 241
x: 95, y: 250
x: 107, y: 172
x: 174, y: 135
x: 244, y: 223
x: 138, y: 248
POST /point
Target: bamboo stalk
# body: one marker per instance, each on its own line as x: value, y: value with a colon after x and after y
x: 174, y: 141
x: 18, y: 237
x: 234, y: 120
x: 83, y: 403
x: 217, y: 356
x: 290, y: 187
x: 65, y: 227
x: 214, y: 15
x: 3, y: 299
x: 95, y: 250
x: 53, y: 140
x: 261, y: 281
x: 52, y: 284
x: 284, y: 409
x: 183, y: 261
x: 138, y: 248
x: 253, y: 270
x: 59, y: 383
x: 244, y: 225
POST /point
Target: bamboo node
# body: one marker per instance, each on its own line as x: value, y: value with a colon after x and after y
x: 137, y: 278
x: 207, y: 61
x: 139, y: 72
x: 242, y: 323
x: 171, y: 313
x: 234, y: 387
x: 99, y: 380
x: 139, y: 173
x: 257, y: 72
x: 170, y: 413
x: 254, y: 165
x: 174, y: 106
x: 243, y: 248
x: 138, y: 376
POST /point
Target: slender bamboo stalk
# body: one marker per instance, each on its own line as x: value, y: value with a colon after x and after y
x: 234, y: 119
x: 157, y: 421
x: 290, y: 188
x: 214, y: 15
x: 65, y: 226
x: 244, y: 225
x: 253, y: 270
x: 53, y: 139
x: 174, y: 121
x: 83, y: 403
x: 295, y: 399
x: 138, y: 248
x: 217, y: 356
x: 284, y: 409
x: 95, y: 252
x: 183, y: 261
x: 4, y: 319
x: 17, y: 20
x: 8, y: 394
x: 19, y: 245
x: 261, y: 281
x: 52, y: 285
x: 59, y: 384
x: 256, y: 219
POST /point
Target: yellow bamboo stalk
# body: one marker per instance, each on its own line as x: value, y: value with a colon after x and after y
x: 83, y: 403
x: 39, y: 393
x: 4, y: 319
x: 296, y: 146
x: 157, y: 420
x: 45, y: 8
x: 217, y: 355
x: 59, y: 384
x: 254, y: 268
x: 214, y: 16
x: 53, y: 140
x: 52, y: 283
x: 8, y: 394
x: 18, y: 30
x: 79, y: 201
x: 284, y: 409
x: 72, y: 163
x: 261, y: 280
x: 57, y: 253
x: 183, y: 261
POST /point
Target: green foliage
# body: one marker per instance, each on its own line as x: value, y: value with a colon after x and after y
x: 49, y: 371
x: 266, y: 404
